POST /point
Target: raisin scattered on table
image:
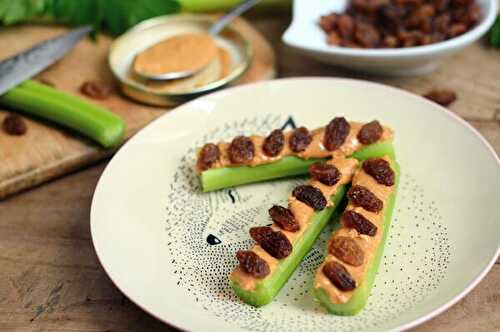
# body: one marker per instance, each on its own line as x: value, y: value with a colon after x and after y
x: 96, y: 90
x: 325, y: 173
x: 284, y: 218
x: 336, y: 133
x: 370, y: 132
x: 274, y: 143
x: 209, y: 155
x: 357, y: 221
x: 362, y: 196
x: 311, y: 196
x: 380, y: 170
x: 252, y: 264
x: 274, y: 243
x: 442, y: 97
x: 339, y: 276
x: 14, y: 125
x: 300, y: 139
x: 241, y: 150
x: 347, y: 250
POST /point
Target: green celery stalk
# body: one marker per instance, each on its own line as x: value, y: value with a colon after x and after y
x: 360, y: 295
x: 219, y: 178
x: 42, y: 101
x: 267, y: 288
x: 215, y: 5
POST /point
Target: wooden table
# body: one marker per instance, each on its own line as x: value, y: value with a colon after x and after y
x: 51, y: 280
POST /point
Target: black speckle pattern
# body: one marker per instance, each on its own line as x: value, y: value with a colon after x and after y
x: 204, y: 230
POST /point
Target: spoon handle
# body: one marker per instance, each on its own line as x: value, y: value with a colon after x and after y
x: 226, y: 19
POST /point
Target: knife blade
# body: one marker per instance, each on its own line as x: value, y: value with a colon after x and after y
x: 27, y: 64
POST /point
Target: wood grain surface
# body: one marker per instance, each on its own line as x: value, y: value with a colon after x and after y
x: 51, y: 280
x: 47, y: 151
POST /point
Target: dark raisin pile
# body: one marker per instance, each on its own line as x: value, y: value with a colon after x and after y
x: 380, y: 170
x: 339, y: 276
x: 335, y: 133
x: 347, y: 250
x: 274, y: 243
x: 355, y: 220
x: 370, y: 132
x: 361, y: 196
x: 442, y: 97
x: 252, y: 264
x: 399, y: 23
x: 311, y: 196
x: 241, y: 150
x: 325, y: 173
x: 284, y: 218
x: 209, y: 154
x: 300, y: 139
x: 274, y: 143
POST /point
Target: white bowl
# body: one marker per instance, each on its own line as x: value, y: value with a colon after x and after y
x: 305, y: 34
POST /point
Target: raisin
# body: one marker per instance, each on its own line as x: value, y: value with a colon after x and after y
x: 370, y: 132
x: 334, y: 39
x: 390, y: 41
x: 345, y: 26
x: 380, y: 170
x: 361, y: 196
x: 252, y: 264
x: 311, y: 196
x: 209, y: 154
x: 327, y: 22
x: 441, y: 23
x: 95, y: 90
x: 339, y: 276
x: 300, y: 139
x: 442, y: 97
x: 284, y: 218
x: 274, y: 243
x: 357, y: 221
x: 347, y: 250
x: 336, y: 133
x: 456, y: 30
x: 325, y: 173
x: 241, y: 150
x: 366, y: 35
x: 274, y: 143
x: 14, y: 125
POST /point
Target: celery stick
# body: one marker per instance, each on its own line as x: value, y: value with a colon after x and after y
x: 42, y: 101
x: 360, y: 296
x: 267, y: 288
x: 219, y: 178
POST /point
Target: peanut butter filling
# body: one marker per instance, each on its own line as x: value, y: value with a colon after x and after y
x: 181, y: 53
x: 369, y: 244
x: 303, y: 214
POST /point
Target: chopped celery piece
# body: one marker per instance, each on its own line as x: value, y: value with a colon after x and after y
x: 219, y: 178
x: 360, y: 295
x: 70, y: 111
x: 267, y: 288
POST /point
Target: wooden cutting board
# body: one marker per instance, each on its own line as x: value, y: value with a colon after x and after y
x: 47, y: 151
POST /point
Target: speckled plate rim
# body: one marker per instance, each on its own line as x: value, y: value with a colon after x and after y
x: 436, y: 108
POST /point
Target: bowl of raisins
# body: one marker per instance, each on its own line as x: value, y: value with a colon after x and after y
x: 389, y: 37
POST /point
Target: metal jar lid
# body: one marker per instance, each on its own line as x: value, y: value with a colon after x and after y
x: 147, y: 33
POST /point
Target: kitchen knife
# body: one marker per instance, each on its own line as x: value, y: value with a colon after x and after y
x: 27, y: 64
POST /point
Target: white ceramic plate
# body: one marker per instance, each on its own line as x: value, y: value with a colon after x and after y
x: 169, y: 248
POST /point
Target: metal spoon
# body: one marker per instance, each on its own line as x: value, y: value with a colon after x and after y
x: 214, y: 30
